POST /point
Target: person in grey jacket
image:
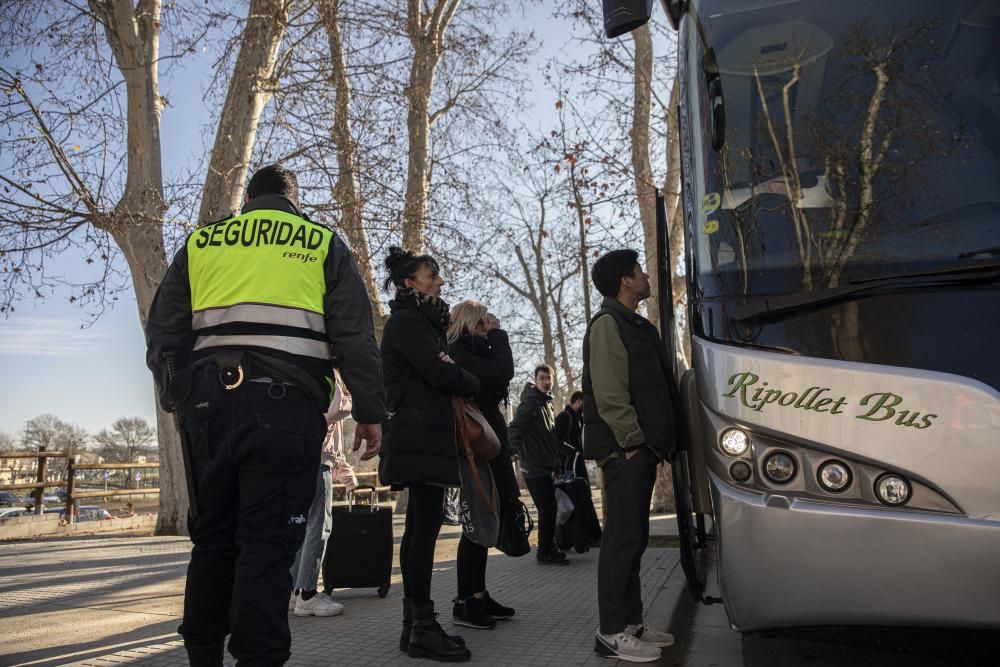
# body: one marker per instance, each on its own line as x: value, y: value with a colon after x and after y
x: 533, y: 438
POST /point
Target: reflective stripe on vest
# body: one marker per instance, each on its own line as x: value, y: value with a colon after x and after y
x: 265, y: 268
x: 290, y: 344
x: 256, y: 312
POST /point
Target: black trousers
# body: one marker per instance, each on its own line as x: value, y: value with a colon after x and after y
x: 255, y: 459
x: 543, y: 494
x: 628, y: 489
x: 424, y: 516
x: 471, y: 567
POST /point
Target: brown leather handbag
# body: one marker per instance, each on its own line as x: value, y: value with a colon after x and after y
x: 476, y: 441
x: 472, y: 429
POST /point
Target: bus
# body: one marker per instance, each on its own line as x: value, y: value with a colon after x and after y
x: 841, y: 200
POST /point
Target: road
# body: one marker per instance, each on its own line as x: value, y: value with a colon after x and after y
x: 704, y: 639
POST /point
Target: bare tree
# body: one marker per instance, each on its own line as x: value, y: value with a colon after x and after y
x: 345, y: 191
x: 127, y: 438
x: 114, y: 201
x: 49, y: 433
x: 425, y: 26
x: 251, y: 84
x: 537, y: 265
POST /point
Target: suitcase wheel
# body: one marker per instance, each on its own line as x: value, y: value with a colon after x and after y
x: 383, y: 590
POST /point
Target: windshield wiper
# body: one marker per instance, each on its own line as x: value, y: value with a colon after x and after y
x: 783, y: 304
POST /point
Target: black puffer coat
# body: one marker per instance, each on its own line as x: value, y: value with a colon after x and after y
x: 491, y: 360
x: 418, y: 445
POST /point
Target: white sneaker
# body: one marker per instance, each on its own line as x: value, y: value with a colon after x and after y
x: 648, y: 635
x: 625, y: 646
x: 291, y: 601
x: 320, y: 604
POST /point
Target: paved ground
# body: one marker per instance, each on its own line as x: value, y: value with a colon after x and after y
x: 704, y: 639
x: 118, y: 600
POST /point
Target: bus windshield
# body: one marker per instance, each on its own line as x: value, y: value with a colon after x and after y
x: 837, y: 142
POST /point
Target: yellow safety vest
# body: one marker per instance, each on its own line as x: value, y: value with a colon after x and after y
x: 262, y: 268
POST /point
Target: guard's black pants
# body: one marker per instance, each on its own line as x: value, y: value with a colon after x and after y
x: 255, y: 461
x: 628, y: 488
x: 543, y: 494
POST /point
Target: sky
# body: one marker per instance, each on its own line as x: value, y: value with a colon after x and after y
x: 90, y: 375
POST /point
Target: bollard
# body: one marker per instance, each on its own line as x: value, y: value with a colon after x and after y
x: 70, y: 485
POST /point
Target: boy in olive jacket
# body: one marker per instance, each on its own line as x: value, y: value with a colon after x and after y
x: 628, y: 428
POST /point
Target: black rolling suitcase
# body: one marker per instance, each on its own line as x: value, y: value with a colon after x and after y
x: 359, y: 551
x: 582, y: 530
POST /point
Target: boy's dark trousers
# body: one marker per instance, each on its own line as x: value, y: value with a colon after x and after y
x: 628, y: 489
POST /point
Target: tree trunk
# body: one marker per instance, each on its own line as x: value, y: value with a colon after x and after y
x: 426, y: 31
x: 250, y: 87
x: 137, y: 221
x: 675, y: 226
x: 581, y: 221
x: 418, y: 158
x: 345, y: 190
x: 136, y: 224
x: 645, y: 185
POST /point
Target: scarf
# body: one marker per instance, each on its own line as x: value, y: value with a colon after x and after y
x: 433, y: 307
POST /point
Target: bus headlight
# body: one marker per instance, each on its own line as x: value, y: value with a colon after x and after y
x: 779, y: 467
x: 740, y: 471
x: 734, y: 442
x: 834, y: 476
x: 892, y: 489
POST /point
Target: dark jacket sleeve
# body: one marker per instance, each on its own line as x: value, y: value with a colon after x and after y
x: 496, y: 368
x: 350, y: 328
x: 168, y: 325
x: 520, y: 427
x: 563, y: 426
x: 409, y: 335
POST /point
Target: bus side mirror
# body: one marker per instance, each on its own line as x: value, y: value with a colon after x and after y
x: 674, y: 9
x: 622, y: 16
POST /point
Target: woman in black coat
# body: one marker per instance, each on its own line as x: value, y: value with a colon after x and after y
x: 477, y: 344
x: 418, y: 449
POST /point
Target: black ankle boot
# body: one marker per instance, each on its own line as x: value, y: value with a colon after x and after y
x: 494, y: 608
x: 208, y: 655
x: 471, y: 614
x: 428, y: 640
x: 404, y: 638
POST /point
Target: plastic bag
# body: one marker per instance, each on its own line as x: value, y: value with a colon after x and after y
x: 451, y: 507
x: 564, y: 506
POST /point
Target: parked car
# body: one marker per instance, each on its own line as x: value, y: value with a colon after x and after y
x: 8, y: 499
x: 90, y: 513
x: 8, y: 512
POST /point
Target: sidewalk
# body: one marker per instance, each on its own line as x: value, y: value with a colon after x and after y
x: 118, y: 601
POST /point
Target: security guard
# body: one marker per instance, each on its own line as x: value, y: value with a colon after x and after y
x: 241, y: 338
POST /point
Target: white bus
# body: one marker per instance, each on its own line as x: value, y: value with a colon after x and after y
x: 841, y: 189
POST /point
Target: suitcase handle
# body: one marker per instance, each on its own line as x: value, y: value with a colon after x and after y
x: 372, y: 500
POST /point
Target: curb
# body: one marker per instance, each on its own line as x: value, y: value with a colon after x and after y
x: 663, y: 611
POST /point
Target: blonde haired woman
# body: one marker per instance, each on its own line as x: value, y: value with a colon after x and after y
x: 478, y: 345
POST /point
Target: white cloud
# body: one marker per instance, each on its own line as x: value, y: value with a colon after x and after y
x: 46, y: 337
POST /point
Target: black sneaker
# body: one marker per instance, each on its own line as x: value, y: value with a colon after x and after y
x: 470, y: 614
x: 494, y: 608
x: 551, y: 558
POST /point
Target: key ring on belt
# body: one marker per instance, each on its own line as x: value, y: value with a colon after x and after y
x: 239, y: 378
